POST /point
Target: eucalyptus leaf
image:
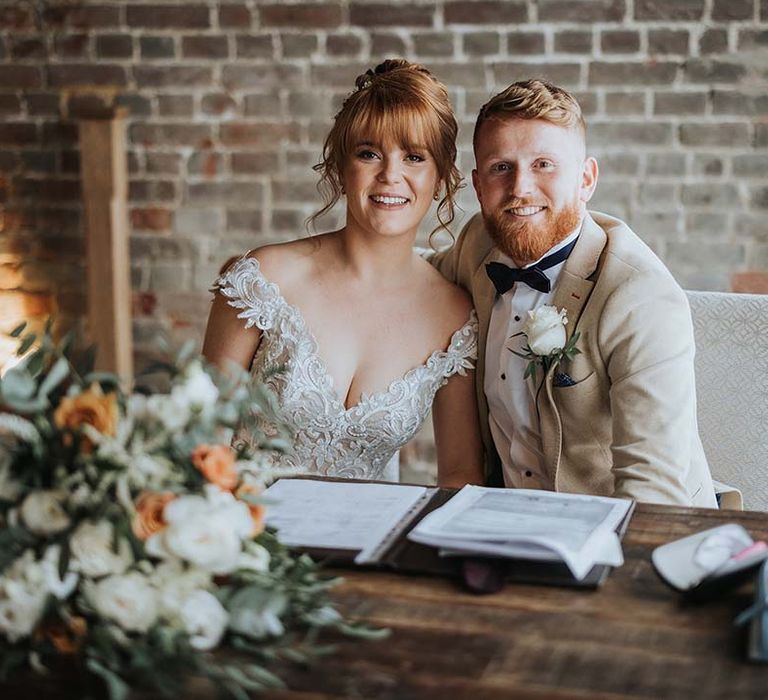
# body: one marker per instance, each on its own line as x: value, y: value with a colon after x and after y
x: 17, y: 384
x: 34, y: 363
x: 117, y: 688
x: 18, y: 330
x: 26, y: 344
x: 31, y: 406
x: 56, y: 375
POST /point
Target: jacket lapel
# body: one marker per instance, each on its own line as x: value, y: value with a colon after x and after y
x: 573, y: 290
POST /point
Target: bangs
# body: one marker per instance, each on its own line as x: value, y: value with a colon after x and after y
x: 409, y: 124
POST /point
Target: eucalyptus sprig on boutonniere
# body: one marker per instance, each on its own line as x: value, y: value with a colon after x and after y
x: 547, y: 340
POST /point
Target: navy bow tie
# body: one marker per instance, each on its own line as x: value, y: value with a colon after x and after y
x: 503, y: 276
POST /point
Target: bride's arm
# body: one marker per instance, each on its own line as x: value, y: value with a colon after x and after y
x: 457, y: 433
x: 227, y: 339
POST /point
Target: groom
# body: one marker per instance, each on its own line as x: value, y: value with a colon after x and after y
x: 619, y: 417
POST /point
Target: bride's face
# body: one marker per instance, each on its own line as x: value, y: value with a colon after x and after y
x: 389, y: 187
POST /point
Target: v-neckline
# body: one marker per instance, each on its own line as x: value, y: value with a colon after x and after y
x: 315, y: 351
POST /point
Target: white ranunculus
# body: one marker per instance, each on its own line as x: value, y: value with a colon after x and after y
x: 60, y: 588
x: 545, y: 330
x: 174, y: 582
x: 171, y: 411
x: 198, y: 388
x: 260, y: 617
x: 207, y: 532
x: 254, y: 558
x: 92, y: 553
x: 204, y: 619
x: 22, y: 597
x: 130, y: 600
x: 43, y: 513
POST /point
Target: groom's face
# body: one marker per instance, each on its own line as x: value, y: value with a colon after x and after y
x: 533, y: 182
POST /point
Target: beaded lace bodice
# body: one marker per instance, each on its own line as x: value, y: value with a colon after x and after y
x: 330, y: 439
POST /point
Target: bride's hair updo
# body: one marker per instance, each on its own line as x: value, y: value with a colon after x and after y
x: 402, y: 102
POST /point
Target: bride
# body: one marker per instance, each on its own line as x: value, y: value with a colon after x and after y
x: 368, y: 336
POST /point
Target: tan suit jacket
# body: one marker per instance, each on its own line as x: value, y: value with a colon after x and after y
x: 627, y: 427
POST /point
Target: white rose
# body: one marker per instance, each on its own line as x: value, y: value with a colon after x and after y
x: 92, y: 553
x: 545, y: 330
x: 204, y: 619
x: 129, y: 600
x: 254, y: 558
x: 260, y: 617
x: 174, y: 583
x: 207, y: 532
x: 43, y: 514
x: 198, y: 388
x: 171, y: 411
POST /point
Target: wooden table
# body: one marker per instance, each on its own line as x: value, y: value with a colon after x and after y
x: 631, y: 638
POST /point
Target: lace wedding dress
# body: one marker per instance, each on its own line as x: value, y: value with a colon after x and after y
x: 329, y: 439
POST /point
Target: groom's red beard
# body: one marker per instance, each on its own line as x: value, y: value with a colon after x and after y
x: 524, y: 241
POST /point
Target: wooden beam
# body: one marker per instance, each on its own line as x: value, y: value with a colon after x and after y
x: 105, y: 197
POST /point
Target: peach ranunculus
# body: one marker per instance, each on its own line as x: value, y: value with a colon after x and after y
x: 91, y: 407
x: 258, y: 511
x: 149, y: 513
x: 217, y: 464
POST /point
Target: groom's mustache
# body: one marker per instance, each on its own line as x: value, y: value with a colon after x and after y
x: 516, y: 203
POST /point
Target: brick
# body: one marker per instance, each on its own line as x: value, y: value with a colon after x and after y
x: 761, y: 136
x: 712, y: 71
x: 345, y: 44
x: 713, y: 41
x: 706, y: 224
x: 273, y: 76
x: 738, y: 102
x: 72, y: 45
x: 234, y: 16
x: 751, y: 225
x: 573, y: 41
x: 39, y: 161
x: 210, y: 47
x: 708, y: 256
x: 679, y: 102
x: 387, y: 45
x: 114, y: 46
x: 84, y: 106
x: 581, y: 10
x: 667, y: 164
x: 753, y: 39
x: 525, y: 43
x: 50, y: 189
x: 175, y: 105
x: 70, y: 162
x: 758, y: 197
x: 28, y: 48
x: 300, y: 161
x: 18, y: 133
x: 338, y: 74
x: 391, y: 15
x: 311, y: 16
x: 20, y: 77
x: 481, y: 43
x: 587, y: 101
x: 290, y: 191
x: 254, y: 163
x: 630, y: 133
x: 160, y: 76
x: 721, y: 135
x: 205, y: 163
x: 151, y: 191
x: 219, y: 103
x: 749, y: 282
x: 224, y: 192
x: 198, y: 221
x: 153, y: 47
x: 59, y: 133
x: 9, y: 161
x: 9, y: 104
x: 88, y: 16
x: 618, y: 164
x: 262, y: 105
x: 153, y: 134
x: 151, y: 219
x: 244, y: 220
x: 40, y: 103
x: 707, y: 165
x: 750, y: 165
x: 668, y: 41
x: 16, y: 17
x: 648, y: 73
x: 719, y: 195
x: 254, y: 46
x: 486, y: 12
x: 625, y: 103
x: 307, y: 104
x: 620, y: 41
x: 676, y: 10
x: 298, y: 45
x: 287, y: 220
x: 764, y: 10
x: 657, y: 196
x: 138, y: 105
x: 153, y: 16
x: 86, y: 74
x: 729, y: 10
x: 564, y: 74
x: 163, y: 163
x: 239, y: 134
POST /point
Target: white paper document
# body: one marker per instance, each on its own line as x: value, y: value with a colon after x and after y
x: 528, y: 524
x: 337, y: 515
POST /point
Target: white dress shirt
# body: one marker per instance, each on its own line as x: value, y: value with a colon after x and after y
x: 511, y: 399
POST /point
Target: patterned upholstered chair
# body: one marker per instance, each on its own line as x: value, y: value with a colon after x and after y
x: 732, y: 389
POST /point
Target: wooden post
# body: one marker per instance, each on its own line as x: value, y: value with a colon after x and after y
x: 105, y: 196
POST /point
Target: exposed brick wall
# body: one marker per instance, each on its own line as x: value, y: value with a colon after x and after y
x: 229, y: 103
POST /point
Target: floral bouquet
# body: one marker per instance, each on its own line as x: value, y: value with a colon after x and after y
x: 132, y: 535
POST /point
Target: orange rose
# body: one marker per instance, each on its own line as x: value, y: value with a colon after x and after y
x: 67, y: 637
x: 217, y: 464
x: 258, y: 511
x: 90, y: 407
x: 149, y: 513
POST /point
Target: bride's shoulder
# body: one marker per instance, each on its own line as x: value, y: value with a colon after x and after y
x: 280, y: 263
x: 450, y: 302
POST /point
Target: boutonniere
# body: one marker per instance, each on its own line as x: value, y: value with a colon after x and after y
x: 546, y: 347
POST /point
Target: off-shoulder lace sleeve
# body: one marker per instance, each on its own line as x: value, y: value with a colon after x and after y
x: 461, y: 352
x: 246, y: 288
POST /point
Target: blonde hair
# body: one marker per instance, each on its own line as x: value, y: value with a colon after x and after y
x: 533, y: 99
x: 401, y: 101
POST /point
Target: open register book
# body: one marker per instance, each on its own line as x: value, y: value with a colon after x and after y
x: 545, y: 537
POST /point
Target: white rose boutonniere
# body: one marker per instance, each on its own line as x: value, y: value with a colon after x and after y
x: 547, y: 340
